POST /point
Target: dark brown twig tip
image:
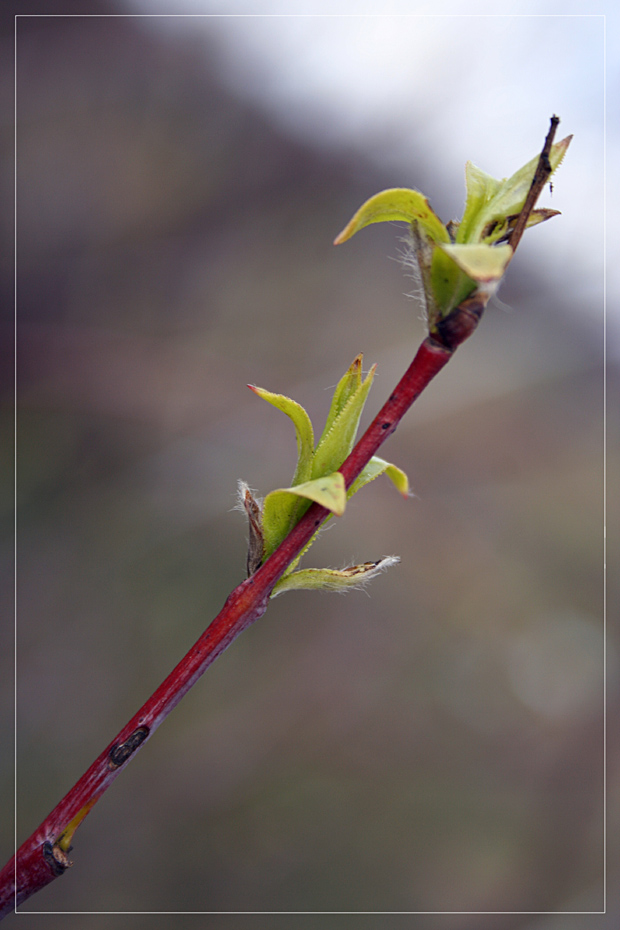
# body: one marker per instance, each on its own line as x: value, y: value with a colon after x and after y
x: 541, y: 176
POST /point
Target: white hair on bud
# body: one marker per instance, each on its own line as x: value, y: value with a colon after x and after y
x: 409, y: 261
x: 242, y: 489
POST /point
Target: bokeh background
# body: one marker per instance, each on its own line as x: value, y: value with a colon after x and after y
x: 432, y: 745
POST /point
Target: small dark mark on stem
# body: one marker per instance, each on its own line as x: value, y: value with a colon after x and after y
x: 120, y: 753
x: 57, y: 860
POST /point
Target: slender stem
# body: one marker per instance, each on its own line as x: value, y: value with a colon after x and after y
x: 541, y: 176
x: 43, y: 856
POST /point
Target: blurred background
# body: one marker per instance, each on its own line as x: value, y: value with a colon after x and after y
x: 432, y: 745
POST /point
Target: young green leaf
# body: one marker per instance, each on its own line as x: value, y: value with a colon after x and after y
x: 338, y: 438
x: 396, y: 204
x: 483, y: 264
x: 499, y: 230
x: 303, y: 430
x: 345, y: 389
x: 282, y: 509
x: 330, y: 579
x: 481, y: 189
x: 449, y: 285
x: 449, y: 275
x: 490, y: 201
x: 328, y: 491
x: 374, y: 469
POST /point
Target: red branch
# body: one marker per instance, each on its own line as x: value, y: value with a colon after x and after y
x: 43, y: 857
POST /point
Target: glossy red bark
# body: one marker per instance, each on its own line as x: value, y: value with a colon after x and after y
x: 43, y: 856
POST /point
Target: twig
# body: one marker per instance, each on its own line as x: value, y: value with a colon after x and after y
x: 44, y: 855
x: 541, y: 176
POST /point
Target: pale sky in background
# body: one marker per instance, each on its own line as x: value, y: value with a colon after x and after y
x: 451, y: 87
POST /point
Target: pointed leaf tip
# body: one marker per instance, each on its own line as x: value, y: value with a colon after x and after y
x: 397, y: 204
x: 329, y: 579
x: 303, y: 429
x: 345, y: 411
x: 376, y: 467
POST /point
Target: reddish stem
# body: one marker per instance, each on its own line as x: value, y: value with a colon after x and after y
x: 43, y: 857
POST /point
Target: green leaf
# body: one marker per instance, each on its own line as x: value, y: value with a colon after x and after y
x: 481, y: 189
x: 499, y: 230
x: 338, y: 438
x: 329, y: 579
x: 282, y: 509
x: 492, y: 207
x: 374, y: 469
x: 456, y: 271
x: 490, y: 201
x: 396, y: 204
x: 345, y: 389
x: 328, y: 491
x: 449, y: 285
x: 303, y: 430
x: 484, y: 264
